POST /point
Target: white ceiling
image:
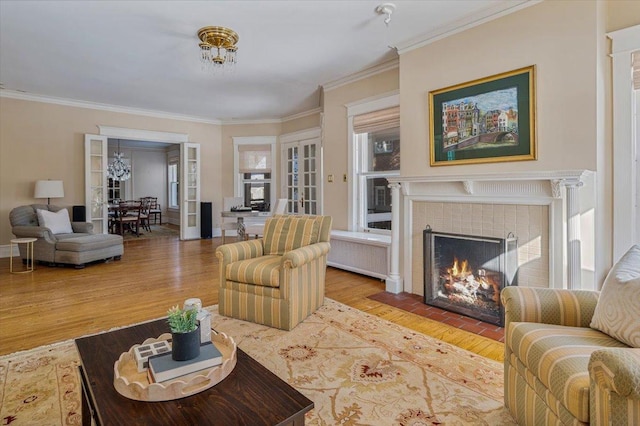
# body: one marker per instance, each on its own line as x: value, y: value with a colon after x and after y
x: 145, y: 55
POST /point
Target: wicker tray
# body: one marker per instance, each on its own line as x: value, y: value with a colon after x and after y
x: 134, y: 385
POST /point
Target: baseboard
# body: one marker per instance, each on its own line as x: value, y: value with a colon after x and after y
x: 5, y: 251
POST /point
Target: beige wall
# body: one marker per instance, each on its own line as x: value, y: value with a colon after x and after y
x: 303, y: 123
x: 622, y: 14
x: 335, y: 138
x: 46, y: 141
x: 557, y: 37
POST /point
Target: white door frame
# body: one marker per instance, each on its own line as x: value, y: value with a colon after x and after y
x: 300, y: 138
x: 149, y: 135
x: 625, y: 212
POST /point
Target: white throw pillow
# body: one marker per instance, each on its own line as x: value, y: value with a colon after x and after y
x: 58, y: 222
x: 618, y: 309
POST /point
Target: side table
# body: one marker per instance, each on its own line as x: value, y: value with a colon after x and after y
x: 29, y: 255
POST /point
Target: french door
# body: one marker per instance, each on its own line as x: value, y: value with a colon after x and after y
x: 95, y: 158
x: 190, y: 191
x: 301, y: 171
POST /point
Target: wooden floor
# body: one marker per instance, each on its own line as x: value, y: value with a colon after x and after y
x: 59, y: 303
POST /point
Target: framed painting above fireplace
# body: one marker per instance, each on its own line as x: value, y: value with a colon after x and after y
x: 487, y: 120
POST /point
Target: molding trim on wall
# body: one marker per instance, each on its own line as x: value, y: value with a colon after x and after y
x: 314, y: 132
x: 498, y: 11
x: 560, y: 190
x: 145, y: 135
x: 5, y: 251
x: 361, y: 75
x: 102, y: 107
x: 302, y: 114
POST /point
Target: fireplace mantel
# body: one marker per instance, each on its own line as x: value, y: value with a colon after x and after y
x: 568, y: 193
x: 519, y: 184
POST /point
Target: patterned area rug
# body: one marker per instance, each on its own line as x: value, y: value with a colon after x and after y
x: 358, y: 370
x: 157, y: 231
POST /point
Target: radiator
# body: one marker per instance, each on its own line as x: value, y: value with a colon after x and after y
x: 360, y: 252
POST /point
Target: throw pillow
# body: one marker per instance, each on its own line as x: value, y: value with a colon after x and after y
x: 58, y: 222
x: 617, y: 312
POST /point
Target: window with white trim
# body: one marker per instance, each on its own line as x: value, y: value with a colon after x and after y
x: 376, y: 151
x: 254, y: 158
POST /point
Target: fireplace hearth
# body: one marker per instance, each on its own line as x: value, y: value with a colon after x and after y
x: 465, y: 273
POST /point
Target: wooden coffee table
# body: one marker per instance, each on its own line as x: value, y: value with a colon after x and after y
x: 250, y: 395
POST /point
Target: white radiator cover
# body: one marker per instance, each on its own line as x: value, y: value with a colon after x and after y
x: 360, y: 252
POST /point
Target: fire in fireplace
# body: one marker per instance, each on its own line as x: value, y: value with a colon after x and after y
x: 465, y: 273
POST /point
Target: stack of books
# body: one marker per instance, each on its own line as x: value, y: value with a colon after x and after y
x: 162, y: 367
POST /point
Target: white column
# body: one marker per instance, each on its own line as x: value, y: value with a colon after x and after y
x: 574, y: 261
x: 394, y: 280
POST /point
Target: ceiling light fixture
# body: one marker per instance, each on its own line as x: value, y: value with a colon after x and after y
x: 118, y: 169
x: 386, y: 9
x: 218, y: 48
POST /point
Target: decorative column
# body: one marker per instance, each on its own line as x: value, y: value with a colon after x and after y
x: 574, y: 260
x: 394, y: 281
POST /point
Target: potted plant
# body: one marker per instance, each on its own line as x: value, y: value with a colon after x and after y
x: 185, y: 335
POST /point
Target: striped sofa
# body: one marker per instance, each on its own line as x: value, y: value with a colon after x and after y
x: 279, y: 279
x: 558, y: 370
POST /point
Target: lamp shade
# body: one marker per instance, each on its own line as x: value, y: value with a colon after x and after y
x: 49, y: 189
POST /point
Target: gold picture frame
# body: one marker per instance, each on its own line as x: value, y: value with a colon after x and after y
x: 487, y: 120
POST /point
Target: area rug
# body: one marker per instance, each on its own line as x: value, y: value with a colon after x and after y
x: 157, y: 231
x: 358, y: 369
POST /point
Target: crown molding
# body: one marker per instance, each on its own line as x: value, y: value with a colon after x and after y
x: 361, y: 75
x: 302, y: 114
x: 4, y: 93
x: 463, y: 24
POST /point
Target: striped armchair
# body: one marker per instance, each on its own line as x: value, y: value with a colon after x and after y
x: 560, y: 371
x: 277, y: 280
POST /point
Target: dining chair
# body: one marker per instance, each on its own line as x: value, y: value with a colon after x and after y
x: 129, y: 217
x: 257, y: 228
x: 229, y: 223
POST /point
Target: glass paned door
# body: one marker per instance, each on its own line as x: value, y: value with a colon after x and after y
x: 190, y: 191
x: 95, y: 154
x: 301, y: 170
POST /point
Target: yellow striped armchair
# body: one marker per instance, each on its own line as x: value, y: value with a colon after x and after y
x: 558, y: 370
x: 279, y: 279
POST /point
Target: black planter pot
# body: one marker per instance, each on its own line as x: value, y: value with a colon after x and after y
x: 185, y: 346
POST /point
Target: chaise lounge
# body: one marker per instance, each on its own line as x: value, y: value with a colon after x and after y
x: 60, y: 241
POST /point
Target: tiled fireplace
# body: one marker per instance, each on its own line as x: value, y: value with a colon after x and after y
x: 549, y: 213
x: 465, y: 273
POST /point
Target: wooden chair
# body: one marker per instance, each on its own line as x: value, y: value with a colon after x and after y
x: 154, y: 209
x: 145, y: 206
x: 129, y: 217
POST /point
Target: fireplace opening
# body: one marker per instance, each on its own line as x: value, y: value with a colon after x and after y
x: 465, y: 273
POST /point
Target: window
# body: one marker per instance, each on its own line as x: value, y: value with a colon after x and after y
x: 172, y: 175
x: 379, y: 158
x: 257, y: 190
x: 375, y: 150
x: 253, y: 175
x: 113, y: 188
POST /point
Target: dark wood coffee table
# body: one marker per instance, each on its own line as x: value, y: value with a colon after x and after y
x: 250, y: 395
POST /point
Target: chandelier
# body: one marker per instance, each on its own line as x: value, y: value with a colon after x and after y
x: 218, y: 48
x: 118, y: 169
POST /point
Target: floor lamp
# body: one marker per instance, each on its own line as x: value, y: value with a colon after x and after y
x: 49, y: 189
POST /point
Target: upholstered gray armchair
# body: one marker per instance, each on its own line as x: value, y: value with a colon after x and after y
x: 52, y: 246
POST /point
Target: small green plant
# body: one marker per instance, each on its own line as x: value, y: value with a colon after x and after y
x: 180, y: 320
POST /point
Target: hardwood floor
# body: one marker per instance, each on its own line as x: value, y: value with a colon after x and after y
x: 59, y: 303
